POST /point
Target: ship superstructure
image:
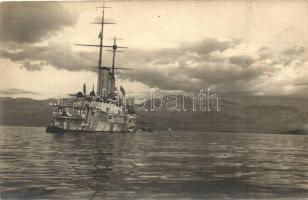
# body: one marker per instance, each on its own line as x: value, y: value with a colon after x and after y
x: 107, y: 109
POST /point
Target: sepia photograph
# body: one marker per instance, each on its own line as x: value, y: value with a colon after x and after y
x: 144, y: 99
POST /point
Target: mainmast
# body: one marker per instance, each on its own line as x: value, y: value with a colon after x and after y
x: 114, y: 50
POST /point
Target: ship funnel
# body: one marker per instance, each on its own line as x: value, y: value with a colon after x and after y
x: 92, y: 93
x: 84, y: 89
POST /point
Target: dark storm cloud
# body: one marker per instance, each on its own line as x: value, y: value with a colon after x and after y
x: 29, y: 22
x: 242, y: 60
x: 192, y: 67
x: 14, y: 91
x: 60, y: 56
x: 186, y: 67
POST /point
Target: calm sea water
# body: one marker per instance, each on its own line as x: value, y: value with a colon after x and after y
x: 159, y: 165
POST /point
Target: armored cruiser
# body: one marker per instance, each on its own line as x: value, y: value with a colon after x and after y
x: 106, y: 110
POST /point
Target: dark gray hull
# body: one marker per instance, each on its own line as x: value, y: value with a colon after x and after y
x: 55, y: 129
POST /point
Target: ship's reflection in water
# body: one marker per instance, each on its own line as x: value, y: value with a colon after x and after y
x: 159, y: 165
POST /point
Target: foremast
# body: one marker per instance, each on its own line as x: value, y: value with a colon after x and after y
x: 100, y: 58
x: 105, y: 75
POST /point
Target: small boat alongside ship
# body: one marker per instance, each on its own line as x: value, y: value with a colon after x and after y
x: 106, y: 110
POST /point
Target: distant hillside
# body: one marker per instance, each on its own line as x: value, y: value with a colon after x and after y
x: 24, y: 111
x: 233, y: 117
x: 300, y: 103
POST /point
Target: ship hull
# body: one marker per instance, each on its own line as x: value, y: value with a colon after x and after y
x: 55, y: 129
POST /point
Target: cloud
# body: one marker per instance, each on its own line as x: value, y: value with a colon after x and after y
x: 14, y: 91
x: 60, y: 56
x: 193, y: 67
x: 224, y: 69
x: 301, y: 83
x: 211, y: 63
x: 291, y: 54
x: 208, y: 45
x: 264, y: 53
x: 30, y: 22
x: 242, y: 60
x: 294, y: 50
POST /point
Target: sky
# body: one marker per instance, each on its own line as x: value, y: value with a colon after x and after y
x: 253, y: 47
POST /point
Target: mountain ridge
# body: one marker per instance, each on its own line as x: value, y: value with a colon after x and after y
x: 233, y: 117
